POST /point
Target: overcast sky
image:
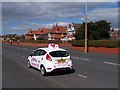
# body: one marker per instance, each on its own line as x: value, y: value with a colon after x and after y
x: 18, y: 17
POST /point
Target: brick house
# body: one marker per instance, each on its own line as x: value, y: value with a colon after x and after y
x: 115, y: 34
x: 61, y: 32
x: 55, y: 33
x: 35, y: 34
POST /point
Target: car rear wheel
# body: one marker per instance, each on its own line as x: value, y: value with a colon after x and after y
x: 43, y: 71
x: 29, y: 64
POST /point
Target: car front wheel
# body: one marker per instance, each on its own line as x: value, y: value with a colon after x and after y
x: 29, y: 64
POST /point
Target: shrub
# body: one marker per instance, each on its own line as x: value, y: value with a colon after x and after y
x: 78, y: 43
x: 97, y: 43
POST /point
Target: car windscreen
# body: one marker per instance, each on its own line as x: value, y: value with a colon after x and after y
x: 59, y: 54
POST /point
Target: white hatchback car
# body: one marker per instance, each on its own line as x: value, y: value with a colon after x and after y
x: 49, y: 59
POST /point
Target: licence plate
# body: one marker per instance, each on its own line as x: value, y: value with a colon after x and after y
x: 61, y: 61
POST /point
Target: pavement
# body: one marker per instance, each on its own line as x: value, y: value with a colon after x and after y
x: 91, y: 70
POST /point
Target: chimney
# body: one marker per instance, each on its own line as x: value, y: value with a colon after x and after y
x: 56, y: 24
x: 30, y: 29
x: 53, y: 26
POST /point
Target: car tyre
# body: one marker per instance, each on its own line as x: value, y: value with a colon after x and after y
x: 43, y: 71
x: 29, y: 64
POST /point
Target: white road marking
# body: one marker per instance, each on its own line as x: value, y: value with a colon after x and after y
x: 111, y: 63
x: 75, y: 57
x: 83, y: 76
x: 81, y: 58
x: 12, y: 46
x: 18, y: 47
x: 85, y: 59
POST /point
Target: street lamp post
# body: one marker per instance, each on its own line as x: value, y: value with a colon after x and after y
x: 86, y: 38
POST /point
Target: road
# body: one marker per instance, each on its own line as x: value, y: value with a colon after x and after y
x: 91, y: 70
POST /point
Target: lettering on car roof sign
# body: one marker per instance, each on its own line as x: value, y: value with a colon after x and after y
x: 53, y: 46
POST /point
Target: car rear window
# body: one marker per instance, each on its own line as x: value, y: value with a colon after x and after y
x: 59, y: 54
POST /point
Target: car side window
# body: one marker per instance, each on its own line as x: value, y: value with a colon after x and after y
x: 39, y: 52
x: 43, y: 52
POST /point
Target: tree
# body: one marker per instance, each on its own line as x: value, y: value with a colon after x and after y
x: 96, y: 31
x: 22, y: 38
x: 80, y: 33
x: 103, y: 29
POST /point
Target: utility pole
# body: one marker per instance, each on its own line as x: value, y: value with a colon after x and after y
x: 86, y: 38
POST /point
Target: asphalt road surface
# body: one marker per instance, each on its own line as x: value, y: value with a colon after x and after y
x: 91, y: 70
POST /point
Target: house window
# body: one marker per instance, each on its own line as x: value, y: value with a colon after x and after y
x: 41, y: 31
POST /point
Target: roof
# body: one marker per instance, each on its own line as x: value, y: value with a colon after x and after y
x: 58, y: 29
x: 55, y: 29
x: 39, y: 31
x: 44, y: 30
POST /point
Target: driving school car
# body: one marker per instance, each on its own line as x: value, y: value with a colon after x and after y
x: 49, y: 59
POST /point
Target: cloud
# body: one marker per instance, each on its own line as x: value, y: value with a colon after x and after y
x: 40, y: 25
x: 37, y: 15
x: 109, y: 14
x: 44, y: 11
x: 47, y: 11
x: 25, y: 25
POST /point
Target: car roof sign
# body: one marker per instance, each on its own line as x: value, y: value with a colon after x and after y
x: 53, y: 46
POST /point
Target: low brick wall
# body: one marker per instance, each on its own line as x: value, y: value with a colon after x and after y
x: 99, y: 50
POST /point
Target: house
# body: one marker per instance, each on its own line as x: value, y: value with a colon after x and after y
x: 70, y: 29
x: 35, y: 34
x: 76, y: 25
x: 55, y: 33
x: 9, y: 37
x: 61, y: 32
x: 115, y: 33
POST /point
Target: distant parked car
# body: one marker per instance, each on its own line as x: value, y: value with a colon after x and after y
x: 49, y: 59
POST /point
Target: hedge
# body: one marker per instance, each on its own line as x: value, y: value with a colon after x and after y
x: 43, y: 41
x: 97, y: 43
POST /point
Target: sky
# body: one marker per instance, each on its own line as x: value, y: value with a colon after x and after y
x: 20, y: 15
